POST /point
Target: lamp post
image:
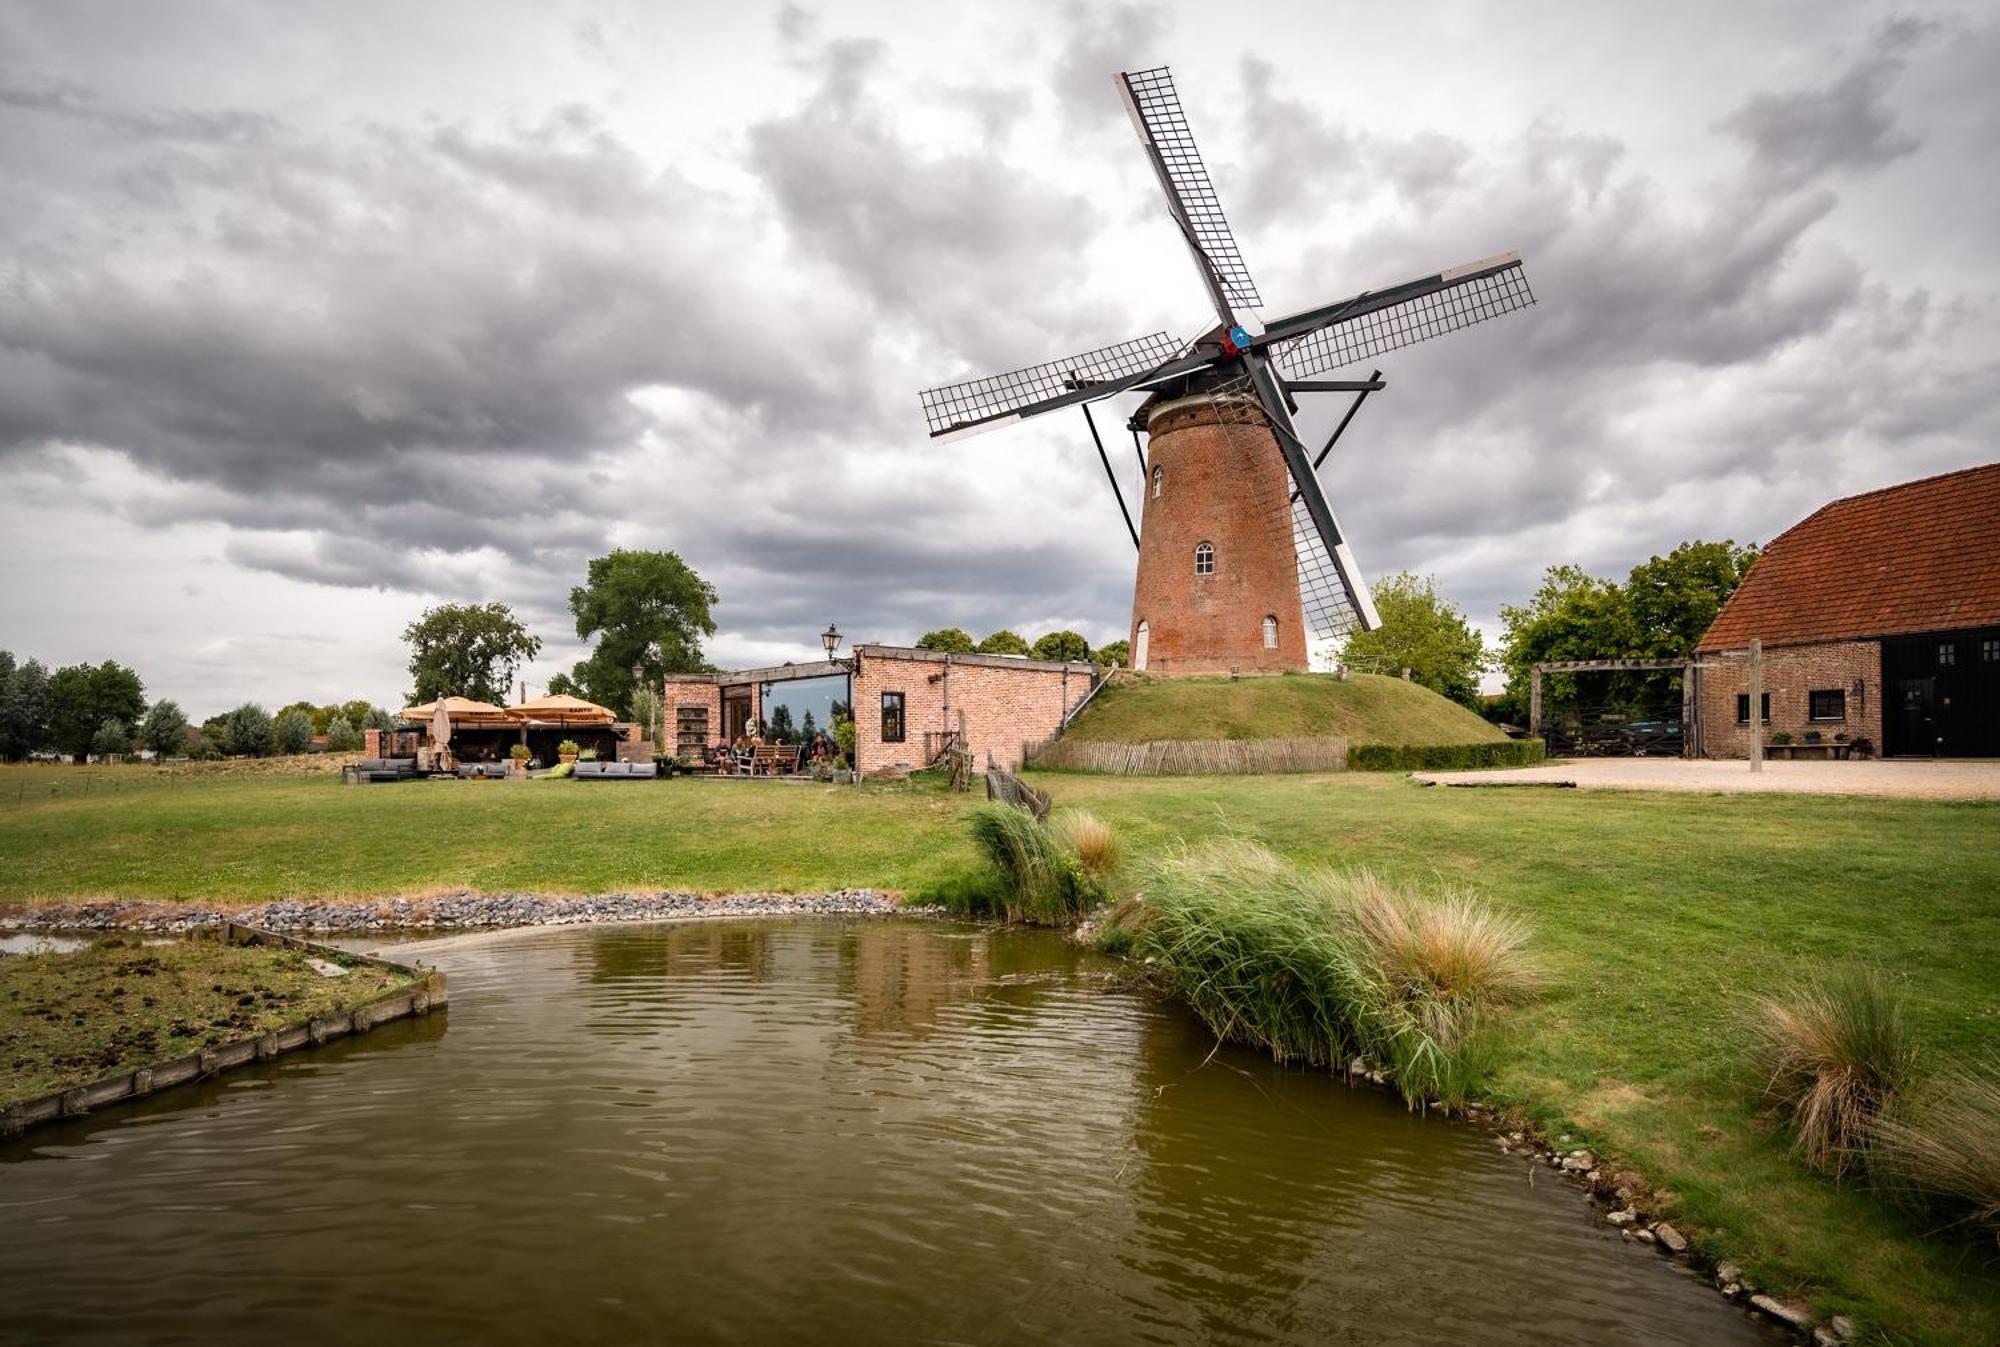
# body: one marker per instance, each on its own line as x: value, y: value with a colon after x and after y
x: 830, y: 641
x: 830, y: 638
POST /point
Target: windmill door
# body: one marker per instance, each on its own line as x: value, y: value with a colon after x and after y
x: 1912, y: 730
x: 1140, y: 651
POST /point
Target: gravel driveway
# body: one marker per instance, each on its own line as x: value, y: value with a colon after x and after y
x: 1903, y: 780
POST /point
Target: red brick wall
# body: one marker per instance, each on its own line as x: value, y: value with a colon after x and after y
x: 1005, y: 703
x: 1224, y: 484
x: 693, y: 691
x: 1790, y: 674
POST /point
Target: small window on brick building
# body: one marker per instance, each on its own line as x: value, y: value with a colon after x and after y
x: 1990, y: 651
x: 1204, y: 559
x: 1947, y: 654
x: 1270, y: 632
x: 1827, y: 704
x: 1743, y: 708
x: 892, y: 717
x: 1159, y: 480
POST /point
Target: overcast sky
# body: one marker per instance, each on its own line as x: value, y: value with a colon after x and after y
x: 312, y: 315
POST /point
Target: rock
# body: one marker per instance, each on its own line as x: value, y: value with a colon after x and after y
x: 1824, y: 1337
x: 1726, y: 1273
x: 1731, y: 1290
x: 1674, y: 1241
x: 1622, y: 1218
x: 1842, y: 1328
x: 1643, y: 1235
x: 1793, y: 1315
x: 1578, y: 1161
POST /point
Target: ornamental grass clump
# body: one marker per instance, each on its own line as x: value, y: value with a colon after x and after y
x: 1940, y: 1146
x: 1833, y: 1054
x: 1043, y: 881
x: 1091, y: 839
x: 1316, y: 965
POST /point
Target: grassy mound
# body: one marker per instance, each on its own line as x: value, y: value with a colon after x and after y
x: 1365, y: 709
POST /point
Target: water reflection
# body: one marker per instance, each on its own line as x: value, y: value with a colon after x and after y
x: 816, y: 1132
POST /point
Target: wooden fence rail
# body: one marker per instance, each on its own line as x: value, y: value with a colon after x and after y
x: 1189, y: 757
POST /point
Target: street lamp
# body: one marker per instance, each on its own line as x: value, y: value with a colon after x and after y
x: 830, y: 638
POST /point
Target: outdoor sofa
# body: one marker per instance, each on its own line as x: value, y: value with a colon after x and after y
x: 379, y: 769
x: 473, y: 770
x: 615, y: 771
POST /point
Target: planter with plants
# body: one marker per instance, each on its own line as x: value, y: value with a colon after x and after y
x: 566, y: 751
x: 518, y: 759
x: 588, y: 755
x: 1813, y: 736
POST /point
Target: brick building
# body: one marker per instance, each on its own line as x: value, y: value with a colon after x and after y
x: 1879, y: 617
x: 903, y: 701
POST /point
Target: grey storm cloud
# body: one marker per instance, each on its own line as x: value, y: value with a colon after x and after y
x: 397, y: 351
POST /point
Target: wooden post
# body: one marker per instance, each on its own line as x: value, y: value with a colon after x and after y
x: 1535, y: 701
x: 1690, y: 730
x: 1756, y: 716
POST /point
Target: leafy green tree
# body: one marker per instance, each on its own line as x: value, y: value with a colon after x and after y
x: 1118, y: 652
x: 292, y: 732
x: 246, y: 732
x: 377, y: 719
x: 467, y: 650
x: 81, y: 697
x: 1058, y: 645
x: 650, y: 712
x: 164, y: 730
x: 562, y: 685
x: 24, y: 707
x: 343, y: 735
x: 1673, y: 599
x: 112, y: 740
x: 950, y: 640
x: 1424, y: 632
x: 1005, y: 641
x: 354, y: 713
x: 649, y: 611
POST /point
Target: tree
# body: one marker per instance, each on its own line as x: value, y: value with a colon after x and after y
x: 1673, y: 599
x: 24, y: 707
x: 354, y: 713
x: 1062, y: 645
x: 649, y: 611
x: 951, y: 640
x: 467, y: 650
x: 342, y: 735
x: 562, y: 685
x: 246, y: 732
x: 1004, y: 642
x: 292, y: 732
x: 778, y: 729
x: 1118, y: 652
x: 377, y: 719
x: 1424, y: 632
x: 648, y: 710
x: 112, y: 740
x: 164, y: 730
x: 81, y: 697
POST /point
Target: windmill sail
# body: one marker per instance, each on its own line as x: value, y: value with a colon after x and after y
x: 1000, y: 399
x: 1375, y: 321
x: 1163, y: 129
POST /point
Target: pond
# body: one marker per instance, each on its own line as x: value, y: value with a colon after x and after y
x: 804, y: 1131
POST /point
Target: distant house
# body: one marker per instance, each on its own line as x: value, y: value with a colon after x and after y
x: 1879, y: 617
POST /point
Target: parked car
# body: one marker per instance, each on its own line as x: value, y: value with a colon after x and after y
x: 1652, y: 738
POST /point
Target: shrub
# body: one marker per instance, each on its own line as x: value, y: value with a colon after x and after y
x: 520, y: 752
x: 1091, y: 839
x: 112, y: 740
x: 1940, y: 1146
x: 566, y: 746
x: 246, y: 731
x: 343, y: 735
x: 1316, y: 965
x: 293, y: 732
x: 1045, y: 884
x: 1833, y: 1054
x: 1444, y: 757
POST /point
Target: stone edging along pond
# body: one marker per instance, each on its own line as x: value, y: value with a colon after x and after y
x: 423, y: 991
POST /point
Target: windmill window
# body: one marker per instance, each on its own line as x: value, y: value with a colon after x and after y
x: 1270, y: 632
x: 1159, y: 480
x: 1990, y: 651
x: 1947, y: 655
x: 892, y: 717
x: 1204, y: 559
x: 1143, y: 648
x: 1827, y: 704
x: 1743, y: 708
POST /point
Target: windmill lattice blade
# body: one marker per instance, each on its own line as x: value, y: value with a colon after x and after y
x: 1164, y: 126
x: 1044, y: 387
x: 1387, y: 320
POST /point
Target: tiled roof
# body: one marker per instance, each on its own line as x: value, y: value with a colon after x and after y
x: 1923, y: 556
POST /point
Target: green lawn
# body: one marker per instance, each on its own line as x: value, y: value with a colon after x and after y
x: 1657, y: 917
x: 1364, y: 709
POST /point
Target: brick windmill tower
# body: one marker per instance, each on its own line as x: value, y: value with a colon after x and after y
x: 1242, y: 564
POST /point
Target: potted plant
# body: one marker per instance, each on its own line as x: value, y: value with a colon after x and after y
x: 841, y: 775
x: 566, y: 751
x: 1861, y: 746
x: 588, y: 755
x: 1812, y: 736
x: 1781, y: 738
x: 517, y: 760
x: 1840, y: 736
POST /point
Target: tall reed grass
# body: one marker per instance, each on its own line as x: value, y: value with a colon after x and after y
x: 1093, y: 841
x: 1940, y: 1146
x: 1316, y: 965
x: 1043, y: 883
x: 1833, y: 1054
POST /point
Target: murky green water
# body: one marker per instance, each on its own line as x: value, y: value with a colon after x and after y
x: 810, y: 1132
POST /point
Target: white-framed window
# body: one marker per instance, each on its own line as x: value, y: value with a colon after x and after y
x: 1159, y: 481
x: 1140, y: 651
x: 1204, y: 559
x: 1270, y: 632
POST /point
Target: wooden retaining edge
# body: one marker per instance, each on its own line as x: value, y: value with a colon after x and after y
x: 430, y: 992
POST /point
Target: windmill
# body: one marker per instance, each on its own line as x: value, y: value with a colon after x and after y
x: 1242, y: 563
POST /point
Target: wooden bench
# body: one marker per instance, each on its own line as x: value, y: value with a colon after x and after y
x: 768, y: 759
x: 1832, y: 752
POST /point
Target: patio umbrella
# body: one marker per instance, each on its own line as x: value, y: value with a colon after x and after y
x: 441, y: 726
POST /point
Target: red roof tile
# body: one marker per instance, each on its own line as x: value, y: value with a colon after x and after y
x: 1923, y: 556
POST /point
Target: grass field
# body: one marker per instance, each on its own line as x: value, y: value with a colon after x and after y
x: 1364, y: 709
x: 1656, y: 916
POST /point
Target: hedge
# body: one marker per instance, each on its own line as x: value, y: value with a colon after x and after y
x: 1444, y: 757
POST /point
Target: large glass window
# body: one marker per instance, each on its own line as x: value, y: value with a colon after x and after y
x: 798, y: 710
x: 1827, y: 703
x: 892, y: 717
x: 1204, y: 559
